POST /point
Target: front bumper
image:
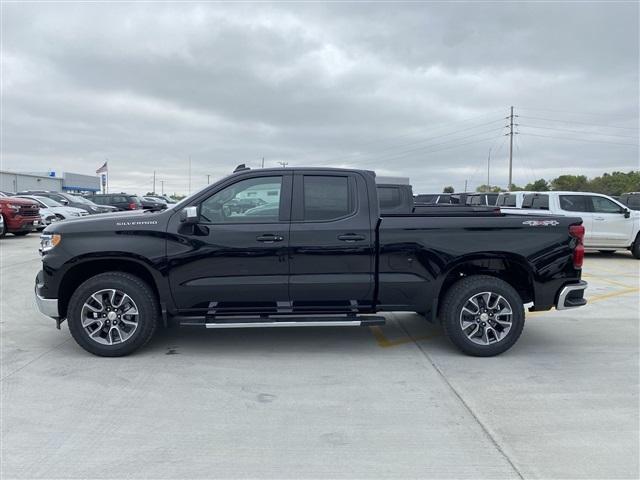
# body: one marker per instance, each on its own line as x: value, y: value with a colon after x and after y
x: 572, y: 296
x: 47, y: 306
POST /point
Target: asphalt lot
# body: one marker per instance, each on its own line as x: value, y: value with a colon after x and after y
x: 396, y: 401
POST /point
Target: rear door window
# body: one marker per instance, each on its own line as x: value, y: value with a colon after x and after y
x: 575, y: 203
x: 327, y: 197
x: 536, y: 201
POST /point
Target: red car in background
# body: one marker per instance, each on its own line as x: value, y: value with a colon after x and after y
x: 20, y: 216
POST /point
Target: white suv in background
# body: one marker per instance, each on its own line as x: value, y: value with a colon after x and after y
x: 609, y: 224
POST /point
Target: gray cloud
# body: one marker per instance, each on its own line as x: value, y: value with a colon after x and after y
x: 406, y: 89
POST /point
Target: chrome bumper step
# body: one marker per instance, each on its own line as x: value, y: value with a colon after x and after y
x: 284, y: 321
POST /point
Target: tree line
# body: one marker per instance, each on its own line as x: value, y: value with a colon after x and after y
x: 614, y: 183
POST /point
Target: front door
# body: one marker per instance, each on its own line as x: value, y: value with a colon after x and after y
x: 235, y: 258
x: 331, y: 244
x: 610, y: 226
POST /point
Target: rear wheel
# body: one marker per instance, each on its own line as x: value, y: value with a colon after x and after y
x: 113, y: 314
x: 482, y: 315
x: 3, y: 227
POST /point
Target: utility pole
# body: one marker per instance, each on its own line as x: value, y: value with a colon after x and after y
x: 189, y: 174
x: 511, y: 134
x: 154, y: 182
x: 162, y: 186
x: 489, y: 168
x: 208, y: 178
x: 284, y: 164
x: 465, y: 185
x: 262, y: 162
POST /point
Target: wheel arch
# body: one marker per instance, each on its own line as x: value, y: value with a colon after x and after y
x: 84, y: 270
x: 513, y: 269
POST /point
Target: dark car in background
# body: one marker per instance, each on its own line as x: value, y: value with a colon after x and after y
x: 69, y: 200
x: 153, y: 204
x: 121, y: 201
x: 631, y: 200
x: 481, y: 199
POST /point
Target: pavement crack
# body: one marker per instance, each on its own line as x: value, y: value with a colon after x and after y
x: 462, y: 401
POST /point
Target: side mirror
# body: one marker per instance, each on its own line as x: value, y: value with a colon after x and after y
x: 64, y: 202
x: 627, y: 213
x: 189, y: 215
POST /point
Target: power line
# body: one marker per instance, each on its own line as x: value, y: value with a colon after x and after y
x: 579, y: 139
x: 577, y: 131
x: 441, y: 149
x: 418, y: 149
x: 578, y: 123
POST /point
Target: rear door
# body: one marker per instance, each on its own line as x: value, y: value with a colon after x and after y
x: 580, y: 205
x: 610, y: 226
x: 331, y: 245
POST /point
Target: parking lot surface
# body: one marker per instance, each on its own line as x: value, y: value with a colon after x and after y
x: 395, y: 401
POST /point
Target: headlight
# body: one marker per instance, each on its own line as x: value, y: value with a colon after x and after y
x: 48, y: 241
x: 15, y: 208
x: 74, y: 214
x: 95, y: 209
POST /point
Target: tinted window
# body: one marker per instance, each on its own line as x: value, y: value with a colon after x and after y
x: 604, y: 205
x: 506, y: 200
x: 475, y: 200
x: 534, y: 200
x: 99, y: 200
x: 423, y: 198
x: 389, y: 197
x: 326, y: 198
x: 491, y: 198
x: 444, y: 199
x: 574, y: 203
x: 250, y: 201
x: 633, y: 201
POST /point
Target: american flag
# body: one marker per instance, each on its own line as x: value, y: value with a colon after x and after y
x: 102, y: 169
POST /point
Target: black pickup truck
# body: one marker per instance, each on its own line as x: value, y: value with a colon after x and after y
x: 304, y: 247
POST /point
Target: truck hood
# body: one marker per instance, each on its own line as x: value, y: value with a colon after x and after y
x: 117, y: 221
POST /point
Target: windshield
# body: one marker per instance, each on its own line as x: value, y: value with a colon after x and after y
x: 49, y: 202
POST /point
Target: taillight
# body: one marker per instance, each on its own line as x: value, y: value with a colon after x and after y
x: 133, y: 206
x: 577, y: 231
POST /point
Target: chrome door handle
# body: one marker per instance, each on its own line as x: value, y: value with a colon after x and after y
x: 269, y: 238
x: 600, y: 219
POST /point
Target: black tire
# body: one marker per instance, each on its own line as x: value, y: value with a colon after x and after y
x: 137, y: 290
x: 456, y: 298
x: 635, y: 248
x: 21, y: 234
x: 607, y: 252
x: 3, y: 229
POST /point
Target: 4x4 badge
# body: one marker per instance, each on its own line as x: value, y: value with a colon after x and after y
x: 541, y: 223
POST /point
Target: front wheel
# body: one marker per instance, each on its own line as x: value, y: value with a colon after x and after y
x: 635, y: 248
x: 113, y: 314
x: 482, y: 315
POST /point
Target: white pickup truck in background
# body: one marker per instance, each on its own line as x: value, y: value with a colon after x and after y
x: 609, y: 224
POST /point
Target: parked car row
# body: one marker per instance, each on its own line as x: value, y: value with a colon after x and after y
x: 30, y: 210
x: 475, y: 199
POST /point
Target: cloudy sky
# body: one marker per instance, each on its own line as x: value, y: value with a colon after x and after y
x: 420, y: 90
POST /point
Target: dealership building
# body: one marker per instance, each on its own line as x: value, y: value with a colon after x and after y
x: 11, y: 182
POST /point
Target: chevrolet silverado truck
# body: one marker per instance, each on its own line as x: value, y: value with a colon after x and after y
x: 314, y: 251
x: 20, y: 216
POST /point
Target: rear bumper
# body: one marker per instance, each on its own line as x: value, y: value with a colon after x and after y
x: 47, y: 306
x: 572, y: 296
